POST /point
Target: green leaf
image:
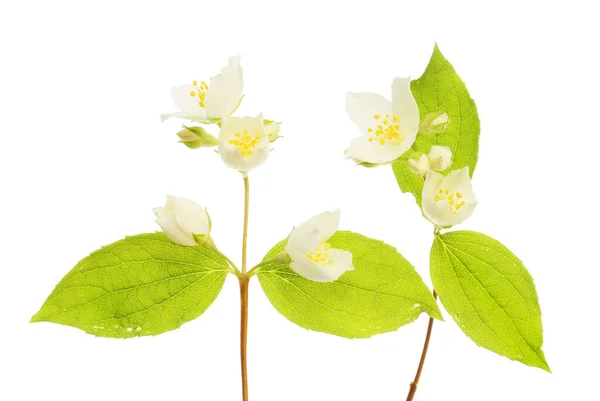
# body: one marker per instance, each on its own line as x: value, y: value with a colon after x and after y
x: 489, y: 294
x: 138, y: 286
x: 440, y: 89
x: 383, y: 293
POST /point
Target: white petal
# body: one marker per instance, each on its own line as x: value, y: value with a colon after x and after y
x: 190, y: 216
x: 167, y: 222
x: 327, y: 223
x: 362, y: 107
x: 303, y: 239
x: 225, y: 90
x: 431, y: 186
x: 158, y: 211
x: 405, y: 107
x: 199, y: 116
x: 373, y: 152
x: 342, y: 262
x: 315, y: 272
x: 458, y: 180
x: 184, y: 101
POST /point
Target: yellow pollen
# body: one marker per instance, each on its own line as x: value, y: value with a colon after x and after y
x: 245, y: 142
x: 387, y: 131
x: 200, y: 92
x: 453, y: 199
x: 317, y: 256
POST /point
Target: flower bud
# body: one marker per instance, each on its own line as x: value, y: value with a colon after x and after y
x: 434, y: 123
x: 272, y: 129
x: 440, y: 157
x: 418, y: 163
x: 196, y: 137
x: 184, y: 221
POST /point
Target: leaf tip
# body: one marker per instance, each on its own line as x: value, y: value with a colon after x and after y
x: 37, y: 318
x: 543, y: 363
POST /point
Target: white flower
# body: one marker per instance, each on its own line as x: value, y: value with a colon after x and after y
x: 389, y: 128
x: 434, y: 123
x: 440, y: 157
x: 312, y: 257
x: 243, y: 143
x: 448, y: 200
x: 418, y: 163
x: 203, y: 101
x: 183, y: 221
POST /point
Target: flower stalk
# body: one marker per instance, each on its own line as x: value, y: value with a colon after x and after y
x: 415, y: 382
x: 244, y: 280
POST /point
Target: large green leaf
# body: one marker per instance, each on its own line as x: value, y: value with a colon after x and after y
x: 441, y: 89
x: 138, y: 286
x: 490, y: 295
x: 383, y: 293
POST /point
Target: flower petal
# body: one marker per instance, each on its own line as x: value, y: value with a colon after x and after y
x: 169, y: 226
x: 184, y: 101
x: 342, y: 262
x: 373, y: 152
x: 303, y: 239
x: 199, y: 117
x: 327, y: 223
x: 405, y: 107
x: 190, y: 216
x: 362, y: 107
x: 459, y: 181
x: 225, y: 90
x: 315, y: 272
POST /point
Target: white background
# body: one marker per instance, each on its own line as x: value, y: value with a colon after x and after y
x: 84, y: 159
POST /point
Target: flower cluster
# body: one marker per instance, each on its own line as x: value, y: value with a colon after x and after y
x: 389, y: 132
x: 243, y: 144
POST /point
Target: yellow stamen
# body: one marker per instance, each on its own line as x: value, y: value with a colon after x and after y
x: 317, y: 256
x: 387, y: 131
x: 453, y: 199
x: 245, y: 142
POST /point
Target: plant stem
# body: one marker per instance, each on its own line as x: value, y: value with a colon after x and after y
x: 244, y: 281
x: 244, y: 333
x: 415, y: 382
x: 245, y: 235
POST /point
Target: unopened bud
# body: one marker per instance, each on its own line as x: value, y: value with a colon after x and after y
x: 434, y: 123
x: 418, y: 163
x: 272, y: 129
x: 440, y: 157
x: 196, y: 137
